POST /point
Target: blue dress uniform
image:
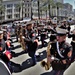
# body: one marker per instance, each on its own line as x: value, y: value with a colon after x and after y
x: 2, y: 50
x: 43, y: 37
x: 31, y: 44
x: 61, y: 51
x: 72, y: 35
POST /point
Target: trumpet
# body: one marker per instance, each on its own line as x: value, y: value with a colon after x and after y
x: 47, y: 64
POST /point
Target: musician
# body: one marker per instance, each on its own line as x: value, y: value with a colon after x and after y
x: 3, y: 55
x: 30, y: 42
x: 72, y: 35
x: 17, y: 32
x: 24, y: 31
x: 43, y: 35
x: 64, y: 22
x: 60, y: 52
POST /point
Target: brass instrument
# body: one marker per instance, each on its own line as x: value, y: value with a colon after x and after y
x: 20, y: 38
x: 44, y: 63
x: 23, y: 44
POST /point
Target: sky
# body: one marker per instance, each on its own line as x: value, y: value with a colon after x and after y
x: 72, y: 2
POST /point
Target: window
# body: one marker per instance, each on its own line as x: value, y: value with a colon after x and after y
x: 25, y: 5
x: 27, y: 1
x: 15, y: 5
x: 9, y: 16
x: 16, y: 10
x: 25, y: 15
x: 16, y: 15
x: 28, y: 14
x: 9, y: 11
x: 28, y: 5
x: 9, y: 5
x: 28, y: 10
x: 25, y: 10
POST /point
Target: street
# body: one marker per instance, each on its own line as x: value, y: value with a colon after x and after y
x: 25, y: 61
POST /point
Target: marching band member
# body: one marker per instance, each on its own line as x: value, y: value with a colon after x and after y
x: 43, y: 35
x: 72, y: 35
x: 31, y: 42
x: 5, y: 55
x: 60, y: 52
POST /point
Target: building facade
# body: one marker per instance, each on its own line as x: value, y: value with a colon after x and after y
x: 15, y: 9
x: 37, y: 11
x: 19, y: 9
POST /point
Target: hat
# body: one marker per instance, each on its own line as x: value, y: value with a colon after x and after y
x: 61, y: 30
x: 41, y: 24
x: 1, y: 32
x: 4, y: 30
x: 64, y: 20
x: 54, y: 21
x: 28, y: 23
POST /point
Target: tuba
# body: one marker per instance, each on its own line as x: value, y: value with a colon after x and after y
x: 47, y: 64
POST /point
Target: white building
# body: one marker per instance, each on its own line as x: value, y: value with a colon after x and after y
x: 16, y: 9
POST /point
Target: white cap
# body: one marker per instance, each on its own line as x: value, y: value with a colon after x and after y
x: 61, y: 30
x: 1, y: 32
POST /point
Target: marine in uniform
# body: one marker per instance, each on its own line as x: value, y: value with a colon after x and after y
x: 43, y: 35
x: 3, y: 55
x: 2, y: 42
x: 30, y: 42
x: 72, y: 35
x: 60, y: 52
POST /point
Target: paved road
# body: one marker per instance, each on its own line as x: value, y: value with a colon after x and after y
x: 25, y: 61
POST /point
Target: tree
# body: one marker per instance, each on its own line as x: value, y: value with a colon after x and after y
x: 58, y: 5
x: 38, y: 9
x: 18, y: 6
x: 2, y: 9
x: 49, y: 3
x: 31, y: 11
x: 44, y: 8
x: 1, y: 1
x: 39, y: 6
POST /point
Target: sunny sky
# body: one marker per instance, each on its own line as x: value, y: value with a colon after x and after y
x: 72, y: 2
